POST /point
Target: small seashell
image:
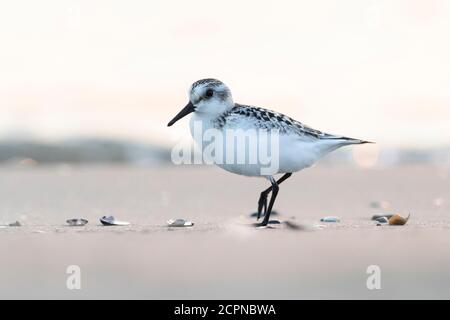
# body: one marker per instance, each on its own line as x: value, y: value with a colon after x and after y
x: 397, y: 220
x: 77, y: 222
x: 378, y: 216
x: 179, y: 223
x: 330, y: 219
x: 383, y: 219
x: 111, y: 221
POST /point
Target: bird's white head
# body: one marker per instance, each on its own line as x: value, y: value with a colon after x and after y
x: 209, y: 97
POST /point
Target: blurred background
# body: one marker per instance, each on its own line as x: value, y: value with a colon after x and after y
x: 97, y: 81
x: 87, y: 89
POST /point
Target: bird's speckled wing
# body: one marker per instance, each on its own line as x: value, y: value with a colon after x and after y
x: 269, y: 120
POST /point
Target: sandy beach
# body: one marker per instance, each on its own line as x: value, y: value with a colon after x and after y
x: 223, y: 255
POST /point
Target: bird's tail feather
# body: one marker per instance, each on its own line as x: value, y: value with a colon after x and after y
x: 343, y: 141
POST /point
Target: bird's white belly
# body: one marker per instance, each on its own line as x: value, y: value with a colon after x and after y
x: 297, y: 154
x: 289, y: 154
x: 294, y: 155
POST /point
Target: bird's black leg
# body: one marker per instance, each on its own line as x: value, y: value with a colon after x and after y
x: 262, y: 202
x: 275, y: 189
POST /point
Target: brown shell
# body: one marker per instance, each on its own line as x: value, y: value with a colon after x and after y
x: 397, y: 220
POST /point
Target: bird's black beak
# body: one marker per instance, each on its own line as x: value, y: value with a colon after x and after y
x: 184, y: 112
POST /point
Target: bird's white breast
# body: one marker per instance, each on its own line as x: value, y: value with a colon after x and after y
x: 294, y: 153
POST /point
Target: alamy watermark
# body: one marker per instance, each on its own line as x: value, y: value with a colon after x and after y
x: 231, y: 147
x: 73, y: 281
x: 374, y: 280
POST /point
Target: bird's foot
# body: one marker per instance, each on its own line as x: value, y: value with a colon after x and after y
x: 255, y: 214
x: 267, y: 224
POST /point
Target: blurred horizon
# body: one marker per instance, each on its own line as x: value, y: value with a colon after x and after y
x: 371, y: 69
x: 27, y: 152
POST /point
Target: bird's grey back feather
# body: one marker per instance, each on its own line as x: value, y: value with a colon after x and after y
x: 272, y: 120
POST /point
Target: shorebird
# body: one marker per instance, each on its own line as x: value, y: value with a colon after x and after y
x: 300, y: 146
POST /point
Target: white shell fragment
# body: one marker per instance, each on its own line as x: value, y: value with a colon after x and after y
x: 382, y: 220
x: 179, y: 223
x: 111, y: 221
x: 330, y: 219
x: 381, y: 215
x: 77, y: 222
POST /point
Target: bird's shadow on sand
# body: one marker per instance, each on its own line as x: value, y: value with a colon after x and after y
x: 275, y: 224
x: 255, y: 214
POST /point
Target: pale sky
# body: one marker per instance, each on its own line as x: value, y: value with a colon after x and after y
x: 372, y: 69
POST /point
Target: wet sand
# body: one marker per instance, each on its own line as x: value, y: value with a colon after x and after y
x: 223, y: 256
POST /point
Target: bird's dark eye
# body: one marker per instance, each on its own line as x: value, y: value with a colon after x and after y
x: 209, y: 93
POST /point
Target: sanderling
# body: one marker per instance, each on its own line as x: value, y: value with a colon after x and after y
x: 299, y: 146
